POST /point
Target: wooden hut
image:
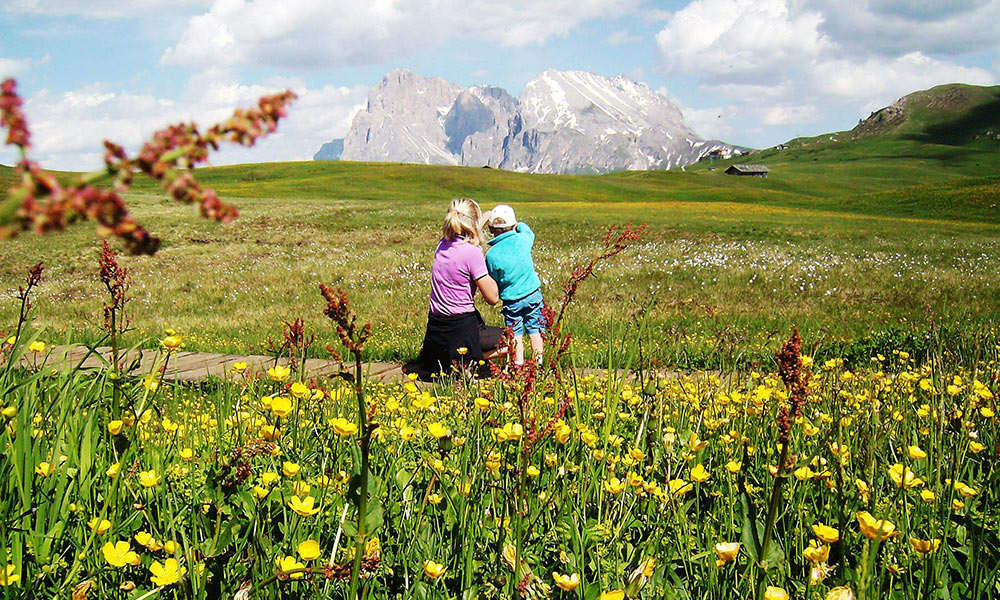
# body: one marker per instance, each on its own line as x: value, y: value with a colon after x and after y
x: 748, y: 170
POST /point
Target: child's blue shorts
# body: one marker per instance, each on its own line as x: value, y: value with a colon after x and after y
x: 525, y: 314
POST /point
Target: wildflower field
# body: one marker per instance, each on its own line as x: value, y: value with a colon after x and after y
x: 801, y: 479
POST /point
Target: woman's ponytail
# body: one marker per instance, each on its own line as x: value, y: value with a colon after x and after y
x: 462, y: 220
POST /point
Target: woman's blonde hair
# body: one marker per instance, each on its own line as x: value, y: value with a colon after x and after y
x: 463, y: 220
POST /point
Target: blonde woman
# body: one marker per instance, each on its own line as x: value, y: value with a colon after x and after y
x: 456, y: 332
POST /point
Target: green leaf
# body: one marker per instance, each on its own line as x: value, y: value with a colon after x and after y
x: 373, y: 518
x: 751, y: 530
x: 403, y: 479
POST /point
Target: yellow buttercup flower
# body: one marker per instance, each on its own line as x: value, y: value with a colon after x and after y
x: 99, y: 525
x: 37, y: 346
x: 172, y: 343
x: 290, y: 469
x: 915, y: 452
x: 438, y: 430
x: 679, y: 487
x: 433, y: 570
x: 279, y: 373
x: 925, y: 547
x: 187, y: 454
x: 281, y: 406
x: 842, y: 592
x: 120, y: 554
x: 826, y: 533
x: 168, y: 573
x: 309, y: 550
x: 115, y: 427
x: 803, y: 473
x: 726, y: 551
x: 775, y: 593
x: 562, y: 433
x: 699, y: 474
x: 816, y: 553
x: 239, y: 367
x: 148, y: 478
x: 566, y: 582
x: 614, y: 486
x: 45, y: 469
x: 145, y: 539
x: 303, y: 507
x: 904, y: 477
x: 613, y: 595
x: 873, y: 528
x: 300, y: 390
x: 343, y: 427
x: 8, y: 576
x: 288, y: 564
x: 509, y: 432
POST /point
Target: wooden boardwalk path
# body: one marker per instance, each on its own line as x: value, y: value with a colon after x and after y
x: 199, y: 366
x: 192, y: 366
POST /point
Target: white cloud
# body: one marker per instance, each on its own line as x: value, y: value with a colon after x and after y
x: 13, y: 67
x: 68, y: 128
x: 622, y: 37
x: 880, y: 77
x: 722, y: 37
x: 895, y: 27
x: 790, y: 114
x: 104, y: 9
x: 782, y: 62
x: 323, y: 33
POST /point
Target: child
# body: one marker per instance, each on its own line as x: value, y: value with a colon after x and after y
x: 509, y: 263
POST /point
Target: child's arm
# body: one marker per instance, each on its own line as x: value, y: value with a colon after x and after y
x: 523, y: 229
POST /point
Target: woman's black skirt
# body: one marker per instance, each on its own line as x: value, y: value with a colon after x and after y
x: 447, y: 334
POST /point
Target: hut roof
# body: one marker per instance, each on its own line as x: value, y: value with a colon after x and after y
x: 750, y: 168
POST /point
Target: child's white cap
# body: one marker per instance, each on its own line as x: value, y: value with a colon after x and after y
x: 502, y: 216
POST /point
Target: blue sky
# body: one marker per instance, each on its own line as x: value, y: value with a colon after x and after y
x: 749, y: 72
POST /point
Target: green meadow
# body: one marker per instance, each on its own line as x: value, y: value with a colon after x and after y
x: 866, y: 243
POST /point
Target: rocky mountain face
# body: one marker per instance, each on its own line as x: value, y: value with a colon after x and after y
x: 564, y: 122
x: 330, y: 150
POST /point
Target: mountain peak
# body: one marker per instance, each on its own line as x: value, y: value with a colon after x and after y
x: 563, y: 122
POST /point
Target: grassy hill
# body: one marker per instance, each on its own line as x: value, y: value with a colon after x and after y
x: 879, y: 237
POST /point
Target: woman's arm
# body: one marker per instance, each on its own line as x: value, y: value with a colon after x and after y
x: 484, y: 218
x: 488, y: 288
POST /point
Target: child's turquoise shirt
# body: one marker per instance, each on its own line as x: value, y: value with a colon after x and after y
x: 509, y: 263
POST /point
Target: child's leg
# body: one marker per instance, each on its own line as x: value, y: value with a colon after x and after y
x: 516, y: 324
x: 536, y: 345
x: 534, y: 325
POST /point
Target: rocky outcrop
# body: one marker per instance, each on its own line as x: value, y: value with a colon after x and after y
x: 564, y: 122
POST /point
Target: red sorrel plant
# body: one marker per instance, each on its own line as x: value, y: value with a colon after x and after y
x: 353, y: 339
x: 116, y: 320
x: 789, y: 360
x: 296, y: 343
x: 528, y: 375
x: 40, y: 202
